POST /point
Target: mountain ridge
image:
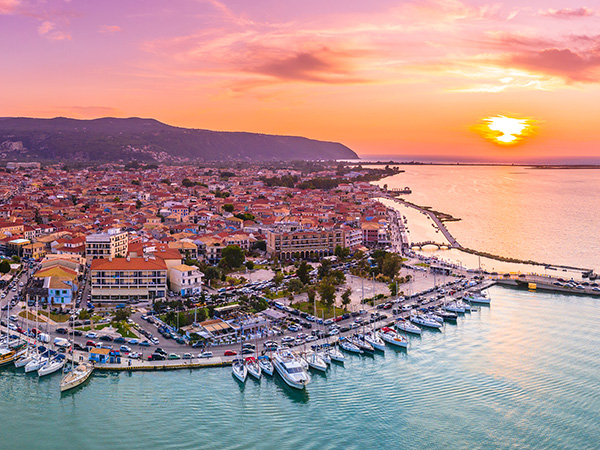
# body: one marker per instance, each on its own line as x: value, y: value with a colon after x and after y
x: 149, y: 140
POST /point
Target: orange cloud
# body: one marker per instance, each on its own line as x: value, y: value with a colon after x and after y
x: 48, y: 30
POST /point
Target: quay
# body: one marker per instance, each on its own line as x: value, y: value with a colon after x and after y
x: 135, y: 365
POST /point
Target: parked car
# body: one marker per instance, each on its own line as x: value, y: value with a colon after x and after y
x: 91, y: 335
x: 145, y: 344
x: 106, y: 337
x: 174, y: 356
x: 207, y: 354
x: 230, y: 353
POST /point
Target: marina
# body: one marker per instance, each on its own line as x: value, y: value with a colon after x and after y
x: 476, y: 373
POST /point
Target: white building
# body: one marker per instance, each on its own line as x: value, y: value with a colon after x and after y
x: 185, y: 280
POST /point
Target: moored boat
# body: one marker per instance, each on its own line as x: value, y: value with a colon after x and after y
x: 393, y: 338
x: 425, y: 321
x: 265, y: 365
x: 315, y: 361
x: 374, y: 339
x: 239, y: 370
x: 407, y: 327
x: 290, y: 369
x: 52, y: 365
x: 253, y: 367
x: 76, y: 377
x: 345, y: 344
x: 7, y: 355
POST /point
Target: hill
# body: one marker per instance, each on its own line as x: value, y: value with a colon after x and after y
x: 148, y: 140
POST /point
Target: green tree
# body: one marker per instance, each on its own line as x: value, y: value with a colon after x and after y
x: 212, y: 273
x: 228, y: 207
x: 249, y: 265
x: 295, y: 285
x: 327, y: 292
x: 233, y: 256
x: 324, y: 268
x: 16, y: 258
x: 122, y: 314
x: 341, y: 252
x: 138, y: 204
x: 211, y: 311
x: 311, y: 295
x: 303, y: 272
x: 393, y: 289
x: 346, y: 297
x: 4, y: 266
x: 390, y: 265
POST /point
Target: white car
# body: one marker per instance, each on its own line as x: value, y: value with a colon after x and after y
x: 134, y: 341
x: 91, y: 335
x: 135, y: 355
x: 205, y: 355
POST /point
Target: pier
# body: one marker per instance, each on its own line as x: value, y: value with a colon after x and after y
x: 453, y: 243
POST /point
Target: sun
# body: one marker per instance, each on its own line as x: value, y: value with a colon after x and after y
x: 505, y: 131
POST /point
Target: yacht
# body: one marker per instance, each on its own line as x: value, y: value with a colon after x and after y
x: 425, y: 321
x: 315, y: 361
x: 24, y: 359
x: 334, y: 354
x: 349, y: 346
x: 375, y: 340
x: 36, y: 362
x: 290, y: 369
x: 455, y: 308
x: 362, y: 344
x: 76, y: 377
x: 464, y: 305
x: 7, y: 356
x: 479, y: 298
x: 446, y: 315
x: 407, y: 327
x: 253, y: 367
x: 393, y: 338
x: 52, y: 365
x: 265, y: 365
x: 239, y: 370
x: 433, y: 316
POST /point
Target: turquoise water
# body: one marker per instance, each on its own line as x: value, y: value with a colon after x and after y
x: 523, y: 374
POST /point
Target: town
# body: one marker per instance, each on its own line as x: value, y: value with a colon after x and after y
x: 135, y: 264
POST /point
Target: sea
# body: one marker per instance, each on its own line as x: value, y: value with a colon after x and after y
x: 522, y: 373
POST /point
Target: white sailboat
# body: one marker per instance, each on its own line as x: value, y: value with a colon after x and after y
x: 393, y: 338
x: 239, y: 370
x: 253, y: 367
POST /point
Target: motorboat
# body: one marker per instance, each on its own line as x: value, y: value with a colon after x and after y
x: 375, y: 341
x: 290, y: 369
x: 393, y: 338
x: 76, y: 377
x: 253, y: 367
x: 407, y: 327
x: 345, y: 344
x: 265, y: 365
x: 52, y: 365
x: 315, y: 361
x: 239, y: 369
x: 425, y: 321
x: 301, y: 360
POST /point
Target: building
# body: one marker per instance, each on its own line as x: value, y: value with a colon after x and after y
x: 353, y: 237
x: 128, y: 279
x: 185, y: 280
x: 106, y: 245
x: 304, y: 244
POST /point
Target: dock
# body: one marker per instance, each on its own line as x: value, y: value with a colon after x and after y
x: 135, y: 365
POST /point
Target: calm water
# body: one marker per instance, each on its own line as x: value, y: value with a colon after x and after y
x: 549, y: 216
x: 520, y: 374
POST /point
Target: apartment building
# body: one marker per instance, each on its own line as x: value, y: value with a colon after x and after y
x: 128, y: 279
x: 185, y: 280
x: 304, y: 244
x: 106, y: 245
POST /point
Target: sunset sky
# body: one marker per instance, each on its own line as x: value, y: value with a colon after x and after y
x: 384, y: 77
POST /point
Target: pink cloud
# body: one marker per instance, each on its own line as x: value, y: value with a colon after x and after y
x: 48, y: 30
x: 8, y: 6
x: 110, y: 29
x: 568, y: 13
